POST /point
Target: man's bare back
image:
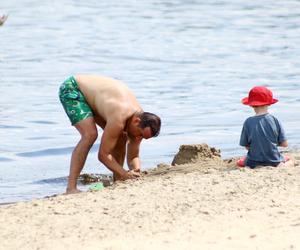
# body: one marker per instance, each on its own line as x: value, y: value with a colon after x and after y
x: 106, y: 95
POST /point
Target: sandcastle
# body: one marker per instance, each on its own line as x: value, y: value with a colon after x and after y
x: 195, y: 153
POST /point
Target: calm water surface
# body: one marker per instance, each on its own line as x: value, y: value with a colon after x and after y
x: 188, y: 61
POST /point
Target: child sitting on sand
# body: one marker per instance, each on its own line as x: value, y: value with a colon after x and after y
x: 262, y: 133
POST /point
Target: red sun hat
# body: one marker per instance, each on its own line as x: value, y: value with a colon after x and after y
x: 259, y: 96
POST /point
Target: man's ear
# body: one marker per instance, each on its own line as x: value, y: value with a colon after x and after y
x: 137, y: 121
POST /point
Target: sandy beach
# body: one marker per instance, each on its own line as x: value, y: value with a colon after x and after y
x: 203, y: 202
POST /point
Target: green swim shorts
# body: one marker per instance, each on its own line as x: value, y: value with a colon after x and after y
x: 73, y: 101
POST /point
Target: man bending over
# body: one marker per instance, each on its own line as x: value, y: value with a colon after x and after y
x: 96, y: 100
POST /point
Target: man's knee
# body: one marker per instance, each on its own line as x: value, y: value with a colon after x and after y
x: 90, y: 137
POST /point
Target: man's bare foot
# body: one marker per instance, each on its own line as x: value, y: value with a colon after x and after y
x: 72, y: 191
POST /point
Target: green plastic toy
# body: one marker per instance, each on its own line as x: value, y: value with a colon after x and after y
x: 96, y: 186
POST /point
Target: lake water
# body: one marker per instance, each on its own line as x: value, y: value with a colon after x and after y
x: 190, y: 62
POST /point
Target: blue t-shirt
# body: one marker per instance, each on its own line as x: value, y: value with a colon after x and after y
x: 262, y: 133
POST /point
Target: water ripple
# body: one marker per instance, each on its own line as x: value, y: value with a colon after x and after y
x: 47, y: 152
x: 5, y: 159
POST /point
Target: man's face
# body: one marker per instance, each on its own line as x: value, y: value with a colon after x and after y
x: 139, y: 133
x: 135, y: 131
x: 146, y: 133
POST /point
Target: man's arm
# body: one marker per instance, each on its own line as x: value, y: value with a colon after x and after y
x: 133, y: 149
x: 109, y: 140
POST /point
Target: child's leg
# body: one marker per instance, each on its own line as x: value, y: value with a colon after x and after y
x: 289, y: 161
x: 241, y: 162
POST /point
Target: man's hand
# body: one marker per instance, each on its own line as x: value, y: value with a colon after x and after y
x: 131, y: 174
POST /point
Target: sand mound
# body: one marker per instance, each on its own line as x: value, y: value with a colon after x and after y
x: 204, y: 205
x: 195, y: 153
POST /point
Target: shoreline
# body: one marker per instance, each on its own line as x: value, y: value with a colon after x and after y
x: 206, y: 204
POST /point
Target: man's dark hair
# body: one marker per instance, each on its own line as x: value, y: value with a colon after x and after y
x: 150, y: 120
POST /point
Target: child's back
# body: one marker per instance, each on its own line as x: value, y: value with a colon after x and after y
x: 262, y: 133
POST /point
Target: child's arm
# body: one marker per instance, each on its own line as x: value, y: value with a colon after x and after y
x: 282, y: 140
x: 244, y: 140
x: 283, y: 144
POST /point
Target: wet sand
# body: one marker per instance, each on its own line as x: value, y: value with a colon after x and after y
x: 202, y: 203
